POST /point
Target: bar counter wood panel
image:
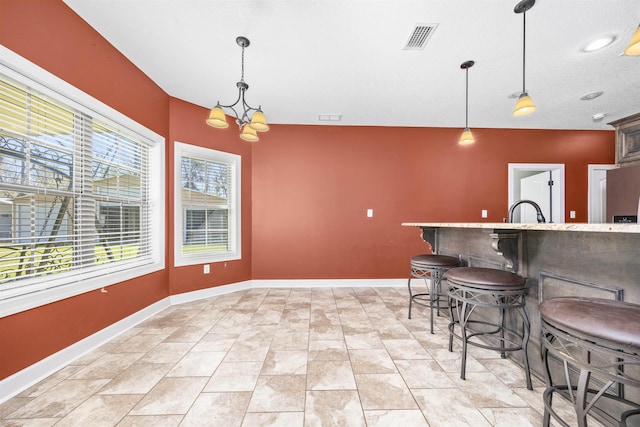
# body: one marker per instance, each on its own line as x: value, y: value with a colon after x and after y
x: 589, y: 255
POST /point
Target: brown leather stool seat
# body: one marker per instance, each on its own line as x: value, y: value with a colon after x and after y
x: 600, y: 338
x: 429, y: 266
x: 473, y: 293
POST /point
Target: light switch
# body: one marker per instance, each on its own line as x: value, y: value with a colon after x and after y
x: 369, y: 213
x: 484, y: 213
x: 207, y: 269
x: 572, y: 214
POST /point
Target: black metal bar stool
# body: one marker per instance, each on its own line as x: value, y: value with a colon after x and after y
x: 473, y: 293
x: 598, y: 343
x: 430, y: 267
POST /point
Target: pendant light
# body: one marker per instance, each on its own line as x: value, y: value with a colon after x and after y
x: 524, y: 105
x: 634, y: 45
x: 466, y: 138
x: 249, y: 125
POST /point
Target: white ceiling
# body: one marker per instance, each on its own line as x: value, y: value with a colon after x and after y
x: 312, y: 57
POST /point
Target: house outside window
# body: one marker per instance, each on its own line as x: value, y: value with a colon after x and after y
x: 207, y: 205
x: 78, y: 210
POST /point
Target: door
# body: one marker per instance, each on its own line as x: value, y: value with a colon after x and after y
x: 552, y: 198
x: 535, y: 188
x: 598, y: 193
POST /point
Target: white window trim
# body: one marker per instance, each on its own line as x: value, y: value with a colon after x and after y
x: 181, y: 149
x: 50, y: 289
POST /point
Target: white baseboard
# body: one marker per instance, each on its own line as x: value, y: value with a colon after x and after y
x: 22, y: 380
x: 209, y: 292
x: 329, y: 283
x: 31, y: 375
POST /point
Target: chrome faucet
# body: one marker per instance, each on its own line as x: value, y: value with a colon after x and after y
x: 539, y: 215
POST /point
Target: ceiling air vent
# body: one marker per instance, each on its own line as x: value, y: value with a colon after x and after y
x: 420, y: 35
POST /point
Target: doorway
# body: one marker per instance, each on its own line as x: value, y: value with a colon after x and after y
x: 597, y: 197
x: 540, y: 183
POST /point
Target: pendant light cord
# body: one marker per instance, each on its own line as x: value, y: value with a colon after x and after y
x: 524, y: 47
x: 466, y: 114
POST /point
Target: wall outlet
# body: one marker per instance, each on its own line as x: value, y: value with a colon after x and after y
x: 207, y: 269
x: 572, y: 214
x: 484, y: 213
x: 369, y: 213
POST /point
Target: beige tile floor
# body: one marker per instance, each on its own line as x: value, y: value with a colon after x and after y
x: 283, y: 357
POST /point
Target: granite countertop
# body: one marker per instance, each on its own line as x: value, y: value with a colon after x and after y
x: 569, y: 226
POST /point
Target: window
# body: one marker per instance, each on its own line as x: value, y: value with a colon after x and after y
x: 78, y: 208
x: 207, y: 205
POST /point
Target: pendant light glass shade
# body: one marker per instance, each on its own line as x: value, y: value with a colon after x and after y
x: 524, y: 105
x: 217, y: 118
x: 249, y: 134
x: 259, y: 122
x: 634, y: 46
x: 466, y: 138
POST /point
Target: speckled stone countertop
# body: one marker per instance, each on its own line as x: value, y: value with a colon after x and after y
x: 569, y: 226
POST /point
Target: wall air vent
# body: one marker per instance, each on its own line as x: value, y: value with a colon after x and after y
x: 420, y: 35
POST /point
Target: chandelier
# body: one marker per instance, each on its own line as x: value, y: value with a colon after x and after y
x: 249, y: 124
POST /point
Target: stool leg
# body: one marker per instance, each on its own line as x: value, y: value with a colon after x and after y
x: 526, y: 333
x: 410, y: 296
x: 432, y: 292
x: 548, y: 395
x: 452, y: 321
x: 463, y: 333
x: 581, y: 397
x: 438, y: 279
x: 503, y: 325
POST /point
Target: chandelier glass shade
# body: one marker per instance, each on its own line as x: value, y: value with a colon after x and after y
x: 467, y: 137
x: 250, y: 120
x: 634, y: 45
x: 249, y: 134
x: 525, y: 104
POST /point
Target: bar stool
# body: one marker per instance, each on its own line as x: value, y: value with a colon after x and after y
x: 601, y: 339
x: 429, y: 266
x: 471, y: 288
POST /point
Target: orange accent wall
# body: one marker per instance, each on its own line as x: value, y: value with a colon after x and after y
x: 188, y: 126
x: 312, y: 186
x: 49, y: 34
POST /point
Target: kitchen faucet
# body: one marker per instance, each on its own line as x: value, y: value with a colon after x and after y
x: 532, y: 203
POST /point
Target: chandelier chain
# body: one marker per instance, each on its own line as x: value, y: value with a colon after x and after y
x: 242, y: 73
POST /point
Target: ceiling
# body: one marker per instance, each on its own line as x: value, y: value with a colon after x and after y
x: 347, y: 57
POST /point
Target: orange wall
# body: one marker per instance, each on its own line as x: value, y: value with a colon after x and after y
x: 49, y: 34
x: 312, y: 186
x: 52, y: 36
x: 188, y: 126
x: 305, y: 188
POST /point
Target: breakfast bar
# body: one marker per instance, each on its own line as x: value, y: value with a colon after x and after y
x: 569, y: 259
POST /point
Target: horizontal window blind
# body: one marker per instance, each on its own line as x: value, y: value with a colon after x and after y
x: 74, y: 191
x: 207, y: 195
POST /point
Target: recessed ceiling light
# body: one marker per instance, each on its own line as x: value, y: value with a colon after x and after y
x: 598, y: 116
x: 591, y: 95
x: 599, y: 43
